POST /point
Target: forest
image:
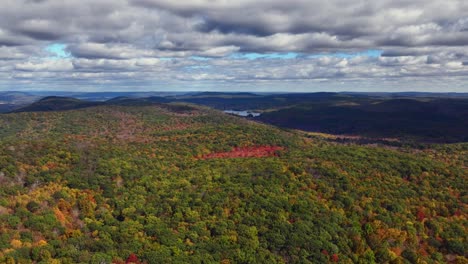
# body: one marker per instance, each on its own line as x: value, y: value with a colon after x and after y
x: 181, y: 183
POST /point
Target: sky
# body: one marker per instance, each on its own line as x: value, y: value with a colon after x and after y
x: 242, y: 45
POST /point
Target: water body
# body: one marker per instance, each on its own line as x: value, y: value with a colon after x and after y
x: 243, y: 113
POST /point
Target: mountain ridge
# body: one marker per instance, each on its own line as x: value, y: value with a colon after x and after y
x: 409, y: 118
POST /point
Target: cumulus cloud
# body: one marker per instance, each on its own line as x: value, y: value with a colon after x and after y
x: 45, y: 66
x: 107, y: 51
x: 193, y: 44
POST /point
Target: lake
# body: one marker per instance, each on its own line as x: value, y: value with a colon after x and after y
x: 243, y: 113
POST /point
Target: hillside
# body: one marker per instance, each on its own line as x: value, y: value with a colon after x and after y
x: 55, y: 103
x: 18, y: 98
x: 10, y: 101
x: 176, y: 183
x: 409, y: 119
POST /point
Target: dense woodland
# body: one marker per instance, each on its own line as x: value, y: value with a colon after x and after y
x: 176, y: 183
x: 434, y: 120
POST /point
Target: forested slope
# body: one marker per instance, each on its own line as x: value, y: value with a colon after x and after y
x: 439, y: 120
x: 171, y: 184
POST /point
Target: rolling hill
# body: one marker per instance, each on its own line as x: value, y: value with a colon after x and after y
x: 430, y: 120
x: 57, y: 103
x: 178, y: 183
x: 410, y: 119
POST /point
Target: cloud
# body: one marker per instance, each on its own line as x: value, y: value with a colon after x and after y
x: 209, y: 43
x: 107, y: 51
x: 12, y: 53
x: 45, y: 66
x: 40, y: 29
x: 9, y: 39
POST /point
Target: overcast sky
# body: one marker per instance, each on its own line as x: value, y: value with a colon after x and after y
x: 241, y: 45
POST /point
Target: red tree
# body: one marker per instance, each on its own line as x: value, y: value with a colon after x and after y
x: 335, y: 258
x: 132, y: 259
x: 421, y: 215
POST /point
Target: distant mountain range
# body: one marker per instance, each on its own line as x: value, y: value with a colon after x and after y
x: 21, y: 98
x: 410, y: 116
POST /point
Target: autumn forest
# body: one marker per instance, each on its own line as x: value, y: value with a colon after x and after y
x: 182, y: 183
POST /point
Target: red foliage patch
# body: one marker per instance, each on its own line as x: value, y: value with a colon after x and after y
x: 51, y: 165
x: 420, y: 215
x: 132, y: 259
x: 335, y: 258
x: 245, y: 152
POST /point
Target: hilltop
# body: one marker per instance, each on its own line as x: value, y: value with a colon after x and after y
x: 56, y: 103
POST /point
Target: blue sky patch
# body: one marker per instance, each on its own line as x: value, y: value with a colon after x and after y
x: 199, y: 58
x: 197, y: 67
x: 58, y: 50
